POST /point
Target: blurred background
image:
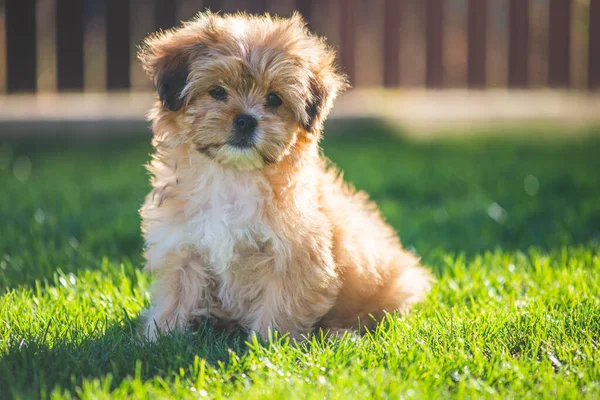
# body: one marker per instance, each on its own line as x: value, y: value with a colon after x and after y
x: 74, y: 60
x: 473, y: 124
x: 442, y: 127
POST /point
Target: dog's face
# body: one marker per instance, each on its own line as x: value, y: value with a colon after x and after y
x: 242, y: 90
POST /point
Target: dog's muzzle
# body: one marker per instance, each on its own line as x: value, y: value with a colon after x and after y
x: 243, y: 131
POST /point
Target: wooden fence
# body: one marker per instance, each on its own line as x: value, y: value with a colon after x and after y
x: 70, y: 20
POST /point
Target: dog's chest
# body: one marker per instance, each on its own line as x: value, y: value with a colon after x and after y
x: 227, y: 222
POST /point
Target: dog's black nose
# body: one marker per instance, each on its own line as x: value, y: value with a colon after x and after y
x: 245, y: 123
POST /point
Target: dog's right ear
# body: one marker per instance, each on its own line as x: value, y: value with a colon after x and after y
x: 166, y: 61
x: 170, y: 84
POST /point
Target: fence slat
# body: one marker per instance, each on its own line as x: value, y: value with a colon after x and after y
x: 165, y: 12
x: 117, y: 44
x: 559, y: 43
x: 594, y: 46
x: 518, y: 44
x: 348, y: 22
x: 21, y: 67
x: 213, y: 5
x: 305, y: 8
x: 255, y: 6
x: 391, y: 42
x: 477, y: 33
x: 434, y: 43
x: 69, y: 44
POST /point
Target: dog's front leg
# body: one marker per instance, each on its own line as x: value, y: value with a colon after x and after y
x: 293, y: 301
x: 181, y: 288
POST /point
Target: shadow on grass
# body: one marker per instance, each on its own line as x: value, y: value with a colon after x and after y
x: 35, y: 364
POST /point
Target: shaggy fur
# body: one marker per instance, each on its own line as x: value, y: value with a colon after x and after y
x: 264, y: 236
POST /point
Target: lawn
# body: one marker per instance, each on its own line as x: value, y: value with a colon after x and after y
x: 510, y: 227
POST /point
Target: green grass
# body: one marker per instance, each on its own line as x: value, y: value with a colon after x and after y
x: 510, y: 227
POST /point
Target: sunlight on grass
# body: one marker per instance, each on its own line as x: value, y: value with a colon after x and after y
x: 515, y: 311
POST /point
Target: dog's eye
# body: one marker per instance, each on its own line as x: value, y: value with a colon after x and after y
x: 273, y: 100
x: 218, y: 93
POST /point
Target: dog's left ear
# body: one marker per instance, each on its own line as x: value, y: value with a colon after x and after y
x: 325, y: 84
x: 165, y: 59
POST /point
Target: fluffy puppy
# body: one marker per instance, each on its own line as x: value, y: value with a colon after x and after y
x: 246, y: 223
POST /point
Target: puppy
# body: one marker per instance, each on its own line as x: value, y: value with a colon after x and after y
x: 246, y: 222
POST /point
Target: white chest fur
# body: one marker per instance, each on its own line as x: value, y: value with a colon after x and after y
x: 219, y: 213
x: 226, y: 212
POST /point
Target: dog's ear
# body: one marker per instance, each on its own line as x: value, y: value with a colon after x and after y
x: 324, y: 86
x: 166, y: 59
x: 314, y: 104
x: 170, y: 84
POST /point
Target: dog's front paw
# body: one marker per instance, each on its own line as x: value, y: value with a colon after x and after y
x: 148, y: 328
x: 156, y: 324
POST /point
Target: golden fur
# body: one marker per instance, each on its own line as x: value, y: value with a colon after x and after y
x: 265, y: 236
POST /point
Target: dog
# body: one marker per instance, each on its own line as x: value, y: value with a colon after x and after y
x: 247, y: 224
